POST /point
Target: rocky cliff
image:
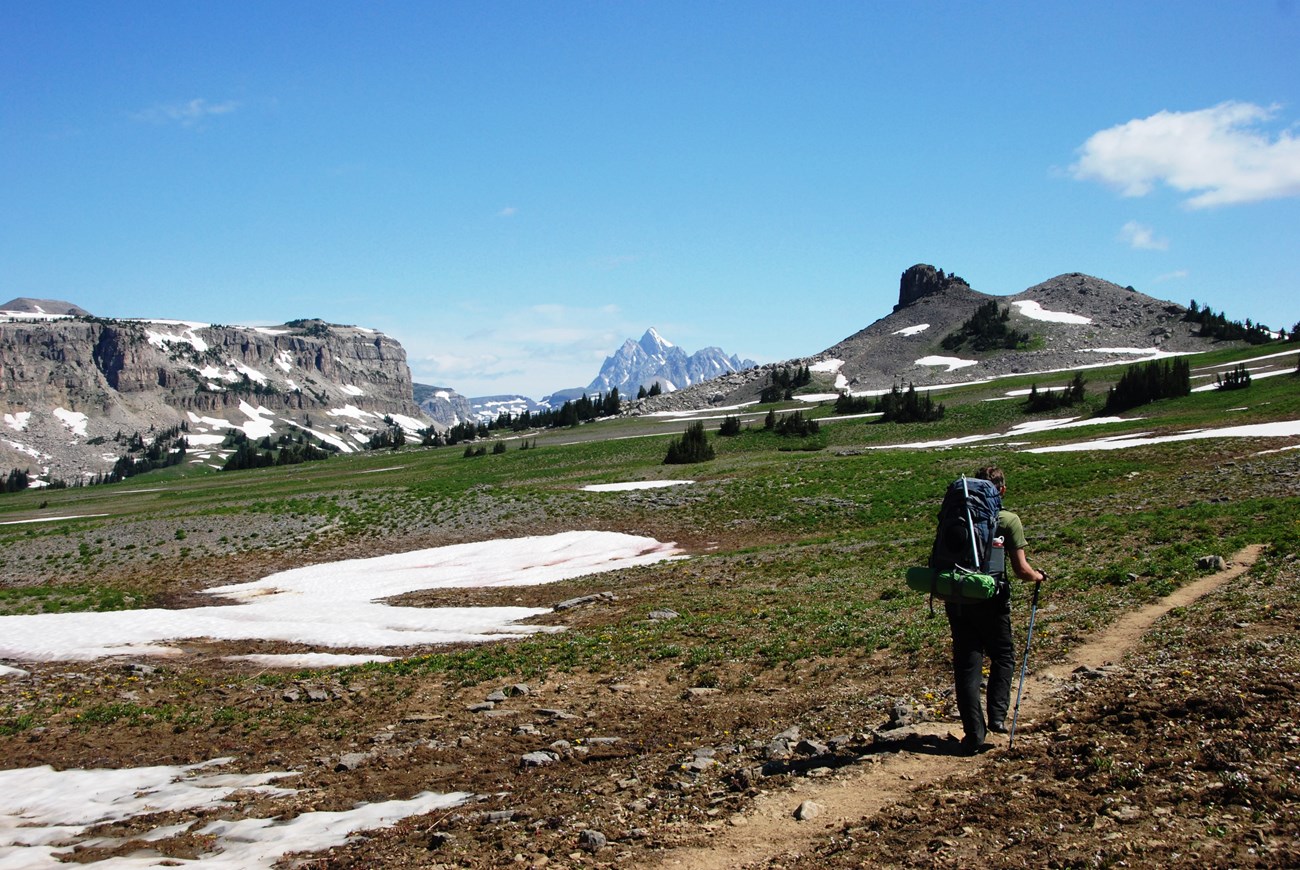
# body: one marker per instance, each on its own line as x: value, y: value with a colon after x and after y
x: 69, y: 385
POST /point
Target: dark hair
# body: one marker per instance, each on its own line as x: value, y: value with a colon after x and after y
x: 993, y: 474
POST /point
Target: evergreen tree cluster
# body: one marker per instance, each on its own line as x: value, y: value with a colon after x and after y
x: 987, y: 329
x: 391, y: 437
x: 896, y: 406
x: 1219, y: 327
x: 655, y: 390
x: 17, y: 481
x: 794, y: 425
x: 288, y: 449
x: 693, y: 446
x: 730, y: 426
x: 1237, y: 379
x: 1050, y: 400
x: 1148, y: 382
x: 782, y: 382
x: 572, y: 413
x: 166, y: 449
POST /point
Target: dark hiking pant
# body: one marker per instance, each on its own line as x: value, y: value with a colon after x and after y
x: 980, y: 630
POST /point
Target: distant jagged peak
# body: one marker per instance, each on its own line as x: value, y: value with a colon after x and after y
x: 925, y: 280
x: 653, y: 343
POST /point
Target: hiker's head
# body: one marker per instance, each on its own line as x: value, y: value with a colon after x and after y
x: 993, y: 475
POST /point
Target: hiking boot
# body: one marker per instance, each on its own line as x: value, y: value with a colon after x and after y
x: 998, y: 727
x: 971, y: 747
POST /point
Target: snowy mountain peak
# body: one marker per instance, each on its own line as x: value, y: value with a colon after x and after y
x: 653, y: 343
x: 655, y: 359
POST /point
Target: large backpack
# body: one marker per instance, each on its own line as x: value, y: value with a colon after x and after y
x: 967, y: 562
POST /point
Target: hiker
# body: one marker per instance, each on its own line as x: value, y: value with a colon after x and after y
x: 983, y: 628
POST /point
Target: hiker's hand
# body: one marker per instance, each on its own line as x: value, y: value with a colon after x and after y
x: 1042, y: 578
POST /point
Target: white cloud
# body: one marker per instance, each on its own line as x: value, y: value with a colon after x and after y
x: 1176, y: 275
x: 1142, y: 237
x: 508, y: 211
x: 1220, y: 154
x: 190, y: 113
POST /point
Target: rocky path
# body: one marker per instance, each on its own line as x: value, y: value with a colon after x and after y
x: 786, y: 822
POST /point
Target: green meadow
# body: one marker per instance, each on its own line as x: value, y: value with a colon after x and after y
x: 797, y: 546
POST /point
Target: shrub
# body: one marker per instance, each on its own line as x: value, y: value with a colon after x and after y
x: 693, y: 446
x: 1237, y: 379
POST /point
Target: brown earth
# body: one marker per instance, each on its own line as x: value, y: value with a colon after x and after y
x: 1171, y: 738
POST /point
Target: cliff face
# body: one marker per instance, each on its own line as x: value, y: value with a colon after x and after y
x: 68, y: 385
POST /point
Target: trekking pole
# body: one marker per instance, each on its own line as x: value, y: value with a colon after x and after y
x: 1033, y: 611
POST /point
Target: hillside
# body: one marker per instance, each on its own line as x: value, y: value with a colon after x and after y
x: 1073, y: 320
x: 665, y: 676
x: 74, y: 389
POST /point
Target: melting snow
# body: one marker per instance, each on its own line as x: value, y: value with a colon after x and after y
x: 45, y: 814
x: 163, y: 340
x: 350, y: 411
x: 284, y: 359
x: 18, y: 421
x: 340, y: 604
x: 1017, y: 430
x: 634, y: 484
x: 74, y: 420
x: 1031, y: 309
x: 953, y: 363
x: 1279, y: 429
x: 911, y: 330
x: 352, y: 391
x: 827, y: 365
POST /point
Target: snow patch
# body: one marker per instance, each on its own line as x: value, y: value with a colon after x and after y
x: 164, y: 340
x: 18, y: 421
x: 1280, y: 429
x: 1031, y: 309
x: 46, y: 814
x: 634, y: 484
x: 341, y: 604
x: 352, y: 390
x: 827, y: 365
x: 284, y: 360
x: 953, y: 363
x: 75, y: 421
x: 911, y: 330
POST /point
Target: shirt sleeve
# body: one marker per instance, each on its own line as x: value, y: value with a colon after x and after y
x: 1012, y: 530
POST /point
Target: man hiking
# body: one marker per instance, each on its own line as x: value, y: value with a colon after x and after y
x: 983, y: 628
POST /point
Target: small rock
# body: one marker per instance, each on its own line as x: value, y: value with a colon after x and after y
x: 351, y: 761
x: 807, y: 810
x: 317, y: 695
x: 698, y: 765
x: 482, y: 707
x: 702, y: 691
x: 538, y: 759
x: 658, y: 615
x: 497, y: 696
x: 1211, y: 563
x: 810, y: 747
x: 592, y: 841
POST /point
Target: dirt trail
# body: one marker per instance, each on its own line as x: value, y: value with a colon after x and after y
x: 770, y: 828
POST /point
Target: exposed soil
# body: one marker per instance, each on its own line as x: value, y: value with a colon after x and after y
x: 1171, y: 738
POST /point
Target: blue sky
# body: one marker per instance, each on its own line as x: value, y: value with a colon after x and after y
x: 512, y: 189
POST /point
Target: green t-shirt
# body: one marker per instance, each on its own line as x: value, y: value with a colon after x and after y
x: 1012, y: 531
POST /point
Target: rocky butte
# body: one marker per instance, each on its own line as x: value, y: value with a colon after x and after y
x: 73, y: 387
